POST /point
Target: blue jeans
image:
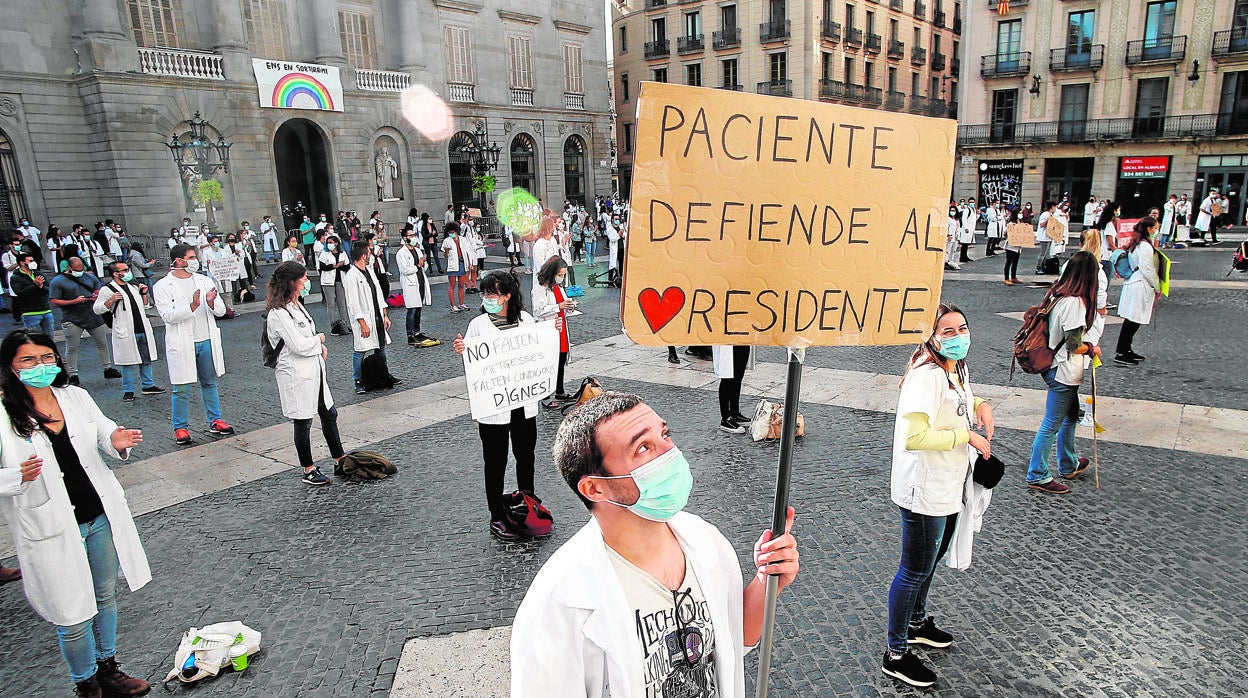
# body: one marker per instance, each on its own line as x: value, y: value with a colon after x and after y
x: 1108, y: 267
x: 1164, y: 239
x: 41, y: 322
x: 924, y: 541
x: 143, y: 370
x: 1061, y: 416
x: 93, y: 640
x: 590, y: 244
x: 357, y: 357
x: 207, y: 375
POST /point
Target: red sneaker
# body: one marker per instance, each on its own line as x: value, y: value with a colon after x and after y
x: 220, y: 428
x: 183, y: 437
x: 1050, y: 487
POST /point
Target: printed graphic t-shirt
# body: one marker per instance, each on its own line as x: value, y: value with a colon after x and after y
x: 674, y: 630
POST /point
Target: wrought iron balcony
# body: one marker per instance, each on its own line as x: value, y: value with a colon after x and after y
x: 957, y: 24
x: 999, y: 65
x: 898, y: 5
x: 955, y: 66
x: 655, y: 4
x: 689, y: 44
x: 728, y: 37
x: 831, y: 89
x: 938, y: 61
x: 996, y: 4
x: 1230, y: 42
x: 918, y: 56
x: 855, y: 93
x: 1120, y: 129
x: 776, y: 88
x: 873, y: 96
x: 831, y: 30
x: 920, y: 10
x: 937, y: 107
x: 918, y: 104
x: 853, y: 38
x: 1065, y: 59
x: 874, y: 43
x: 734, y: 88
x: 1162, y: 49
x: 895, y: 100
x: 939, y: 18
x: 896, y: 49
x: 658, y: 49
x: 775, y: 30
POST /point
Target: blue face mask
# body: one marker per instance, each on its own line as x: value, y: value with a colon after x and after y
x: 307, y: 288
x: 492, y: 306
x: 664, y: 484
x: 955, y: 347
x: 40, y: 376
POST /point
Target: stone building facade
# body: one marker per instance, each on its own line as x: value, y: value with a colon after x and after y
x: 900, y: 55
x: 91, y: 91
x: 1130, y: 100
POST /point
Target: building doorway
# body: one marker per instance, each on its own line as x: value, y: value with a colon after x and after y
x: 302, y: 157
x: 459, y: 152
x: 12, y: 198
x: 1069, y: 177
x: 1229, y: 173
x: 574, y: 170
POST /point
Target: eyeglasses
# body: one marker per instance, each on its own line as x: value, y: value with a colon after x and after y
x: 48, y: 359
x: 689, y: 638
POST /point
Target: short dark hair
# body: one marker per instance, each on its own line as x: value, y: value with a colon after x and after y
x: 576, y: 451
x: 112, y: 267
x: 451, y: 227
x: 359, y: 248
x: 179, y: 251
x: 504, y: 283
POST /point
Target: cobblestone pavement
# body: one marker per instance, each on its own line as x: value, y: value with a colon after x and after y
x: 1132, y: 591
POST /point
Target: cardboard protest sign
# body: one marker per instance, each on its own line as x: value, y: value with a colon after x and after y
x: 1020, y: 235
x: 225, y: 267
x: 511, y: 368
x: 1055, y: 229
x: 474, y: 212
x: 783, y: 222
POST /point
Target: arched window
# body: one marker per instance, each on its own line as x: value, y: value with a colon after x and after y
x: 574, y: 170
x: 524, y: 163
x: 459, y: 151
x: 12, y: 198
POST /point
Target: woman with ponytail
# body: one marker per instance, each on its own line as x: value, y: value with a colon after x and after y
x: 934, y: 445
x: 1140, y: 291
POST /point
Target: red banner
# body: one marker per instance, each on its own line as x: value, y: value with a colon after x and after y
x: 1144, y: 167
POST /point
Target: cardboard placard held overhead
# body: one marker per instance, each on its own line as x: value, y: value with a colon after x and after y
x: 783, y: 222
x: 1055, y: 229
x: 1020, y: 235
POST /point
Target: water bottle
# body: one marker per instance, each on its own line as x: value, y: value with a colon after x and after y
x: 189, y: 668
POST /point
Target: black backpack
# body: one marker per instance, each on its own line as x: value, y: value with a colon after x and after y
x: 268, y: 351
x: 1240, y: 259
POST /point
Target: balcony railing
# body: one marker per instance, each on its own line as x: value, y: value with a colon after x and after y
x: 1161, y: 49
x: 1230, y: 42
x: 957, y: 24
x: 658, y: 49
x: 895, y: 100
x: 918, y: 104
x: 653, y: 4
x: 776, y: 88
x: 918, y: 56
x: 873, y: 96
x: 1065, y: 59
x: 899, y: 5
x: 831, y: 89
x: 178, y: 63
x: 384, y: 80
x: 853, y: 38
x: 994, y: 4
x: 939, y: 18
x: 461, y: 92
x: 875, y: 42
x: 1000, y: 65
x: 1121, y: 129
x: 937, y: 107
x: 920, y: 10
x: 938, y: 61
x: 521, y: 97
x: 726, y: 38
x: 734, y: 88
x: 572, y: 100
x: 831, y: 30
x: 855, y: 93
x: 775, y: 30
x: 896, y: 49
x: 955, y: 66
x: 689, y: 44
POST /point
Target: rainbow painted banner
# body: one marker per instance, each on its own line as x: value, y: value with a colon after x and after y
x: 287, y: 85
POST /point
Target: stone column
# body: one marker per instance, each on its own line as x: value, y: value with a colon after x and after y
x: 328, y: 43
x: 411, y: 39
x: 105, y: 44
x: 231, y: 40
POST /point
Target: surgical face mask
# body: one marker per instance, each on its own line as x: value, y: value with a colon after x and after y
x: 40, y: 376
x: 192, y: 265
x: 492, y: 306
x: 127, y: 277
x: 32, y: 265
x: 410, y: 240
x: 25, y: 223
x: 955, y: 347
x: 664, y: 484
x: 216, y: 243
x: 77, y: 274
x: 561, y: 279
x: 307, y: 288
x: 331, y: 246
x: 451, y: 235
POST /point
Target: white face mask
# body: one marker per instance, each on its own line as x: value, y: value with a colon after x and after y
x: 32, y: 265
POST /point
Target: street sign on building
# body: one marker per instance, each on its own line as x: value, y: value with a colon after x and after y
x: 1153, y: 167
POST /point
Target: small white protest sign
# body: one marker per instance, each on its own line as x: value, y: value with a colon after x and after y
x: 510, y: 368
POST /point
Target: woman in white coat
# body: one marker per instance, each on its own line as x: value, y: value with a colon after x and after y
x: 412, y: 264
x: 966, y: 236
x: 997, y: 218
x: 551, y: 303
x: 1139, y: 292
x: 66, y: 510
x: 366, y: 304
x: 730, y: 364
x: 300, y: 369
x: 134, y: 342
x: 504, y: 309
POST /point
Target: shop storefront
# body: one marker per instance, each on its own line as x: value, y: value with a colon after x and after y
x: 1068, y: 177
x: 1001, y: 179
x: 1143, y: 182
x: 1228, y: 173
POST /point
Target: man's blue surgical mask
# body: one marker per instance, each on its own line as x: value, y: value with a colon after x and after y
x: 664, y: 485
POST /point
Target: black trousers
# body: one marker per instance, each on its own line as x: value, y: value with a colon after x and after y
x: 1127, y: 336
x: 730, y: 388
x: 1011, y: 264
x: 522, y: 433
x: 329, y: 425
x: 963, y: 258
x: 432, y: 253
x: 563, y: 361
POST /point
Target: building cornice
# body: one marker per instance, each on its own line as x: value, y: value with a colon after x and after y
x: 564, y: 25
x: 513, y: 16
x: 471, y: 7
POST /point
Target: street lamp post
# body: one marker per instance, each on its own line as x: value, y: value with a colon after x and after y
x: 206, y: 158
x: 484, y: 158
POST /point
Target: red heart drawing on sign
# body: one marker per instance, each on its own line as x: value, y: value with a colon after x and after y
x: 659, y: 310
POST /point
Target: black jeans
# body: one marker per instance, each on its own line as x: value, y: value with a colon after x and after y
x: 963, y: 258
x: 329, y: 425
x: 432, y: 253
x: 730, y: 388
x: 1011, y: 264
x: 523, y: 435
x: 1126, y: 337
x: 563, y: 360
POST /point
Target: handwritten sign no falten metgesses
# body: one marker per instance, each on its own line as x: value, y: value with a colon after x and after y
x: 783, y: 222
x: 510, y: 368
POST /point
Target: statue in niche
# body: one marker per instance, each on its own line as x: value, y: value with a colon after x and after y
x: 387, y: 173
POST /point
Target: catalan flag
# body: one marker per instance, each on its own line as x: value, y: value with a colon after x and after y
x: 1003, y: 7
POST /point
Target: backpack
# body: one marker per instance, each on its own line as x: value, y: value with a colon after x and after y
x: 527, y: 514
x: 375, y: 373
x: 1240, y: 259
x: 1121, y: 264
x: 1032, y: 352
x: 364, y: 465
x: 268, y: 351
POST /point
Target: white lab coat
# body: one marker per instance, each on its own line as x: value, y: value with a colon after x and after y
x: 970, y: 215
x: 481, y: 325
x: 975, y: 501
x: 55, y: 572
x: 543, y: 250
x: 125, y: 342
x: 453, y: 262
x: 722, y: 359
x: 1168, y: 217
x: 574, y: 633
x: 300, y: 370
x: 996, y: 223
x: 1205, y: 216
x: 175, y: 309
x: 329, y: 277
x: 355, y: 285
x: 414, y: 279
x: 1139, y: 291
